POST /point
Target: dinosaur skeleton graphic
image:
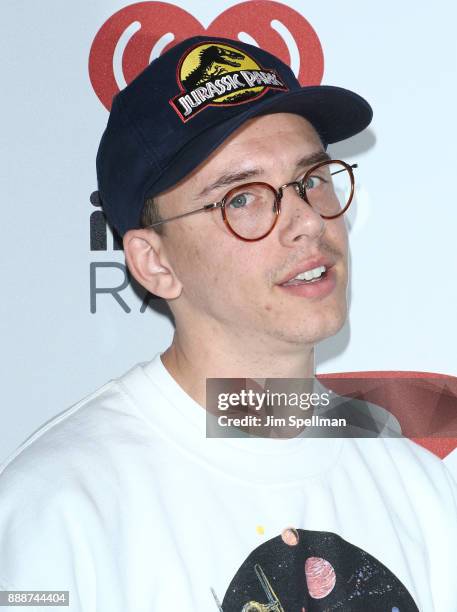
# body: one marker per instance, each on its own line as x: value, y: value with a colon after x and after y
x: 212, y: 62
x: 213, y: 74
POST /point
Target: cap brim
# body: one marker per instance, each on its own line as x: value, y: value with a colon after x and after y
x: 334, y: 112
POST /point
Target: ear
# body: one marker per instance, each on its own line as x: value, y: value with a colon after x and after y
x: 149, y: 265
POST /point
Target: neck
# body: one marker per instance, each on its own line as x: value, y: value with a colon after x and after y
x: 191, y: 361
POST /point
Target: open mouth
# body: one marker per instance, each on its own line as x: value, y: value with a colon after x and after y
x: 308, y: 277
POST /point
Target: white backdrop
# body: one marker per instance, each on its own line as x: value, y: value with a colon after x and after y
x: 401, y: 56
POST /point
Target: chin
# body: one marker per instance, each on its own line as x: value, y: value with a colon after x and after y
x: 316, y: 327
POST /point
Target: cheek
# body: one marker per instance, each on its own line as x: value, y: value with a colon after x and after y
x: 203, y: 261
x: 191, y: 264
x: 337, y: 239
x: 215, y: 266
x: 185, y: 251
x: 339, y: 231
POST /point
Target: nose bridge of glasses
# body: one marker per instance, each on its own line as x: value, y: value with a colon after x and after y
x: 299, y: 189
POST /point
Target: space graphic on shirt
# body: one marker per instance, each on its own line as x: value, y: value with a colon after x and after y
x: 313, y: 571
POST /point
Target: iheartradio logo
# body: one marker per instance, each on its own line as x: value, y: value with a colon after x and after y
x: 135, y: 35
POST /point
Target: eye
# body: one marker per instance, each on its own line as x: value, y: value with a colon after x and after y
x: 240, y: 200
x: 314, y: 181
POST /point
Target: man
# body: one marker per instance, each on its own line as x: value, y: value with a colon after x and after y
x: 123, y: 500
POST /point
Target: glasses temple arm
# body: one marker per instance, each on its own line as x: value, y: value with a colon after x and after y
x: 343, y: 169
x: 192, y: 212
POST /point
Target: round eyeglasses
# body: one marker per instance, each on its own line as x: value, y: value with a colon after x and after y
x: 251, y: 211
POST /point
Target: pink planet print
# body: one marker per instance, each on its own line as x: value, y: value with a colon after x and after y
x: 320, y: 577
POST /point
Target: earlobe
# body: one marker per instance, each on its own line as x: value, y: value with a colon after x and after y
x: 149, y: 265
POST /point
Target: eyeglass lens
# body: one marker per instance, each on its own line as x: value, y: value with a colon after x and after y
x: 250, y: 209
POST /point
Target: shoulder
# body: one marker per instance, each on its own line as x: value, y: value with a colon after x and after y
x: 402, y: 467
x: 62, y: 488
x: 78, y: 448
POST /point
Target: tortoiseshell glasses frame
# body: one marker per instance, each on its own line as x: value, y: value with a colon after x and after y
x: 300, y: 187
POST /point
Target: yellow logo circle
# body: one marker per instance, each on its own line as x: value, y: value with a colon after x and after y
x: 209, y: 61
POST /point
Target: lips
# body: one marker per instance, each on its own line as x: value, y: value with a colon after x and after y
x: 309, y: 264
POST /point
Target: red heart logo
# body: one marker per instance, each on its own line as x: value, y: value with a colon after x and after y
x: 141, y: 31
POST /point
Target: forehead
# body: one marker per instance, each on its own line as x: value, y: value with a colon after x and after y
x: 265, y: 144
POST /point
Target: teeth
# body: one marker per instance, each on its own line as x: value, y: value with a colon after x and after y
x: 310, y: 274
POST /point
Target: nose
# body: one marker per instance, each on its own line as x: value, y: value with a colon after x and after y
x: 298, y: 220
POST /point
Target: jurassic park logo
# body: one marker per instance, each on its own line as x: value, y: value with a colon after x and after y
x: 218, y: 74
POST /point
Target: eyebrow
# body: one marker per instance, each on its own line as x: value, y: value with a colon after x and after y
x: 231, y: 177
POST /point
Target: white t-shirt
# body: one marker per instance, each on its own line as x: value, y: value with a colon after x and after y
x: 124, y: 502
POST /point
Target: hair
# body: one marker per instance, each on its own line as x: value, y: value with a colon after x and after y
x: 150, y: 214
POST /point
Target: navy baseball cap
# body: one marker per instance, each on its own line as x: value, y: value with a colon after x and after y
x: 172, y: 116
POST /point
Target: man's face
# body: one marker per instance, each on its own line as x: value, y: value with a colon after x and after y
x: 235, y: 288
